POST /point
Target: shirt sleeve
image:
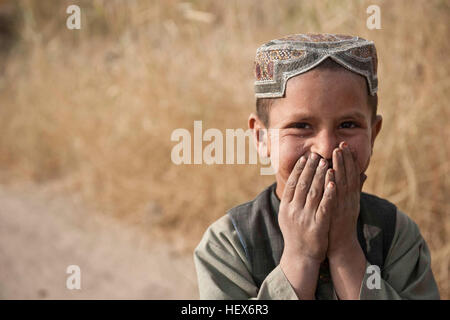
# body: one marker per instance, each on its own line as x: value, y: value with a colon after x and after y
x: 223, y: 269
x: 407, y: 273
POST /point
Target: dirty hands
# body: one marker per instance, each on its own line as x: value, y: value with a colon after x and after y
x: 320, y: 206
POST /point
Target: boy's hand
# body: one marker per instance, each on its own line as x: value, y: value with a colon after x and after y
x: 304, y: 219
x: 305, y: 210
x: 344, y: 217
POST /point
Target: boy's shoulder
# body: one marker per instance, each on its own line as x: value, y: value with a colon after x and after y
x: 384, y: 206
x: 371, y: 200
x: 264, y: 200
x: 225, y: 229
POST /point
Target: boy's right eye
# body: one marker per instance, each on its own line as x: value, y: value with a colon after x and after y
x: 300, y: 125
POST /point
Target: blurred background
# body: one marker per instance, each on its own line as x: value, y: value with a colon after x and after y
x: 86, y: 118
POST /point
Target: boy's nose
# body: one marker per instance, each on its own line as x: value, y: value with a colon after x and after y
x: 324, y: 146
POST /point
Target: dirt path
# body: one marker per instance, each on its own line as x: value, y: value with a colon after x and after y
x: 40, y: 235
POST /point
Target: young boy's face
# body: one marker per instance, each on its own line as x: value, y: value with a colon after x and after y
x: 322, y: 108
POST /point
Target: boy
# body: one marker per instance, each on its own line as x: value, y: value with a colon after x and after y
x: 313, y: 234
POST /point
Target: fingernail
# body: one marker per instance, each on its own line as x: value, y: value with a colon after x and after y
x: 344, y: 144
x: 313, y: 156
x: 322, y: 163
x: 330, y: 185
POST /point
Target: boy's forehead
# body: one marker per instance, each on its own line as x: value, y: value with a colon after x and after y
x: 329, y: 94
x: 281, y: 59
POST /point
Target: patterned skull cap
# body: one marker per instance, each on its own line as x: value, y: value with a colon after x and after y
x: 281, y: 59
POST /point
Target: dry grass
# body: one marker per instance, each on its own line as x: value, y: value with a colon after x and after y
x: 94, y: 109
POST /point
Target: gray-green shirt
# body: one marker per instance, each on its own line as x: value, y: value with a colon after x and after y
x: 224, y: 271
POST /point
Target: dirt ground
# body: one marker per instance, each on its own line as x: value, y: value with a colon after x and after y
x: 42, y: 234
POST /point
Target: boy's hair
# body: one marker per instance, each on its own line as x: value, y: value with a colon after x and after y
x: 264, y: 105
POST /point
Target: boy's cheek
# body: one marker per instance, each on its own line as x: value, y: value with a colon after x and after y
x: 364, y: 163
x: 362, y: 155
x: 288, y: 157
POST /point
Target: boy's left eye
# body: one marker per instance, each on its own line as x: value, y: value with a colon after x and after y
x: 348, y: 125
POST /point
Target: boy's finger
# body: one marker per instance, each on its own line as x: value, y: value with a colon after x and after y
x: 326, y: 205
x: 352, y: 176
x: 304, y: 182
x: 329, y: 177
x: 316, y: 190
x: 291, y: 183
x: 339, y: 170
x: 360, y: 176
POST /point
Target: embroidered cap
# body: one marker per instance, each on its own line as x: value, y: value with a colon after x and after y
x: 281, y: 59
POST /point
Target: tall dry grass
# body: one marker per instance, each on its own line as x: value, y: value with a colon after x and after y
x: 93, y: 109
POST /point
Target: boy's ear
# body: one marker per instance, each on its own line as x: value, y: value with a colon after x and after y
x: 376, y: 128
x: 260, y: 135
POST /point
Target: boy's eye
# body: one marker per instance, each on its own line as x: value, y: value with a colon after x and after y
x: 301, y: 125
x: 348, y: 125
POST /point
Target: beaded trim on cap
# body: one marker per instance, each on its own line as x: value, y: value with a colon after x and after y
x: 281, y: 59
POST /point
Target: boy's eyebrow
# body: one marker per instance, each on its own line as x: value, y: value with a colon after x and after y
x: 297, y: 118
x: 354, y: 114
